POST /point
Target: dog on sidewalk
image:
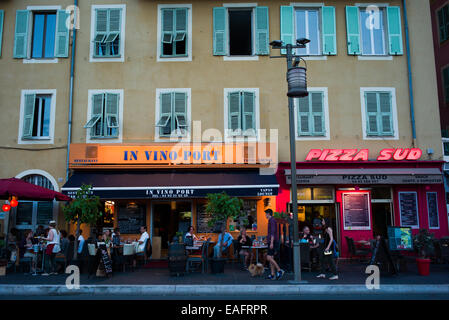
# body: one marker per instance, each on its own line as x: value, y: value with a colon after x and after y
x: 256, y: 270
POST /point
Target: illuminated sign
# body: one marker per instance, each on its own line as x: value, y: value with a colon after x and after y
x: 398, y: 154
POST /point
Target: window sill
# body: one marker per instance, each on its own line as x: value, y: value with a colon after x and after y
x: 27, y: 61
x: 311, y: 138
x: 36, y: 141
x: 375, y: 58
x: 103, y: 140
x: 380, y: 138
x: 174, y: 59
x: 106, y: 59
x: 311, y: 58
x: 241, y: 58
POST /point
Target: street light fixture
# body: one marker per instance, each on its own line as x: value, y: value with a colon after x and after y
x: 297, y: 88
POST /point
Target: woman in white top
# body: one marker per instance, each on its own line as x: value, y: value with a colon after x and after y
x: 191, y: 234
x: 53, y: 247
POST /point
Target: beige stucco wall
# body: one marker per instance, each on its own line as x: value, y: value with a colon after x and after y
x: 207, y: 76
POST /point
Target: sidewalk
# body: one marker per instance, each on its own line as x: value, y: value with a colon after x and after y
x: 159, y: 282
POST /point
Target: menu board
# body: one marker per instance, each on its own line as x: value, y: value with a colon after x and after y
x: 131, y: 218
x: 356, y: 211
x: 432, y: 209
x: 400, y: 238
x: 408, y: 207
x: 202, y: 219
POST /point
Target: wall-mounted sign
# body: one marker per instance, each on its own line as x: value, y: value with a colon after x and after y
x: 363, y: 154
x: 356, y: 211
x: 432, y: 210
x: 408, y: 209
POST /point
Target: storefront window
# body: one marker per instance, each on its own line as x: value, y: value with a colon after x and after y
x: 315, y: 194
x: 44, y: 212
x: 250, y: 210
x: 305, y: 194
x: 381, y: 193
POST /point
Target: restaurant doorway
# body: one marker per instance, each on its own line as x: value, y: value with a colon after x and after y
x: 316, y: 211
x: 170, y: 217
x: 381, y: 218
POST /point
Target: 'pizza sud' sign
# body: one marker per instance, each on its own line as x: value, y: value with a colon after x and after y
x: 398, y: 154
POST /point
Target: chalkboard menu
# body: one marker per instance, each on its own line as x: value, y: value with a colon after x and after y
x: 130, y: 218
x: 432, y: 209
x: 408, y: 207
x: 356, y: 211
x: 202, y: 219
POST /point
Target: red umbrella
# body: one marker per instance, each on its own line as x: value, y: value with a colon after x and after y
x: 28, y: 191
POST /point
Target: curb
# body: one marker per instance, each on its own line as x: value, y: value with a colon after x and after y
x: 217, y: 290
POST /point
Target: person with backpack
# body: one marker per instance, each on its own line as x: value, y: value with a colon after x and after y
x: 327, y: 255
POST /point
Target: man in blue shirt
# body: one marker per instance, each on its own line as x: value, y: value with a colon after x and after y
x: 226, y: 239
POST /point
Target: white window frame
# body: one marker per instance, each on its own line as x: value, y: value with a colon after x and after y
x: 187, y: 137
x: 38, y: 140
x: 189, y: 32
x: 327, y: 136
x: 122, y: 33
x: 119, y: 138
x: 254, y: 56
x: 444, y: 140
x: 394, y: 111
x: 28, y: 59
x: 228, y: 137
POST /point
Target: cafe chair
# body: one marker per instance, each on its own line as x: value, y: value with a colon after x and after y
x: 146, y: 253
x: 355, y: 253
x: 24, y: 261
x: 128, y: 254
x: 198, y: 259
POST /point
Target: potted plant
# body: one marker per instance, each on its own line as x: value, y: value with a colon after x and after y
x: 222, y: 208
x: 281, y: 217
x: 423, y: 243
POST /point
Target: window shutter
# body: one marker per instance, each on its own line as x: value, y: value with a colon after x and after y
x: 62, y: 35
x: 219, y: 31
x: 21, y: 34
x: 115, y: 20
x: 287, y: 26
x: 446, y: 84
x: 249, y: 113
x: 28, y: 115
x: 372, y: 126
x: 2, y: 14
x: 234, y: 113
x: 443, y: 17
x: 111, y: 113
x: 386, y: 116
x: 97, y: 114
x: 181, y: 24
x: 304, y: 117
x: 181, y: 111
x: 101, y: 25
x: 164, y: 122
x: 395, y: 30
x: 329, y: 31
x: 318, y: 128
x: 353, y: 30
x: 167, y: 25
x: 262, y: 31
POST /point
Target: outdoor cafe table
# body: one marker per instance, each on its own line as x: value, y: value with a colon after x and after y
x: 257, y: 250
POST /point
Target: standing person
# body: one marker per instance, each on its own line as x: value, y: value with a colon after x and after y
x: 273, y: 246
x: 326, y: 256
x: 53, y: 247
x: 80, y: 242
x: 244, y: 241
x: 225, y: 238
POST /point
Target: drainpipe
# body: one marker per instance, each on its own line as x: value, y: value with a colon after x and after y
x: 410, y: 81
x: 72, y: 67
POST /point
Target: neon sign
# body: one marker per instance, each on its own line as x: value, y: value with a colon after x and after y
x: 399, y: 154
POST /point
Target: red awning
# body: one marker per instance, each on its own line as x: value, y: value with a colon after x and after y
x: 28, y: 191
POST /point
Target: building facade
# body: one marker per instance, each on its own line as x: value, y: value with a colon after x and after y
x: 149, y: 76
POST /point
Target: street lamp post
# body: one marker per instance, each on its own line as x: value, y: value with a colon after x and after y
x: 302, y: 92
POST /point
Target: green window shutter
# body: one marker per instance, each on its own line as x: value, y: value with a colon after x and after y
x: 28, y: 115
x: 287, y: 26
x: 115, y: 23
x: 304, y: 119
x: 2, y: 15
x: 446, y: 84
x: 167, y: 25
x: 372, y: 125
x: 219, y: 39
x: 62, y: 35
x: 249, y: 113
x: 21, y: 34
x: 317, y: 109
x: 112, y: 114
x: 443, y: 23
x: 262, y: 31
x: 101, y: 26
x: 329, y: 31
x: 180, y: 24
x: 165, y: 118
x: 97, y: 116
x: 395, y: 30
x: 234, y: 114
x: 386, y: 114
x: 353, y: 30
x: 181, y: 111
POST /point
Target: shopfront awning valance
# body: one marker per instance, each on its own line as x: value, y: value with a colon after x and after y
x: 367, y: 176
x: 172, y: 185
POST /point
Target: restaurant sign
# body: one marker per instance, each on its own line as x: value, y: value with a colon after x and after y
x: 367, y: 179
x: 399, y: 154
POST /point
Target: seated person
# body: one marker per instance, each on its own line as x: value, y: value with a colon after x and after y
x: 116, y: 237
x: 190, y: 234
x: 225, y: 238
x: 243, y: 241
x: 25, y: 249
x: 143, y: 239
x: 306, y: 237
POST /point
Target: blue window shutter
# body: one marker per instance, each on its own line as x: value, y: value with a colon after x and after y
x: 2, y: 15
x: 28, y: 115
x: 317, y: 113
x: 304, y: 118
x: 21, y: 34
x: 353, y: 30
x: 219, y: 23
x: 287, y: 26
x: 395, y: 30
x: 372, y: 114
x: 386, y: 113
x: 165, y: 118
x: 262, y: 31
x: 329, y: 31
x: 180, y: 106
x: 62, y: 35
x: 167, y: 26
x: 234, y: 113
x: 249, y: 113
x: 112, y: 114
x: 97, y: 115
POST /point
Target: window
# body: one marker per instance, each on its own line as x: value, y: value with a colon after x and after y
x: 41, y: 33
x: 379, y: 119
x: 241, y: 112
x: 107, y: 33
x: 314, y: 23
x: 325, y: 194
x: 174, y: 32
x: 432, y: 210
x: 446, y: 84
x: 173, y: 113
x: 105, y: 113
x: 37, y: 116
x: 446, y: 148
x: 240, y: 31
x: 374, y: 30
x: 249, y: 210
x: 311, y: 115
x: 443, y: 23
